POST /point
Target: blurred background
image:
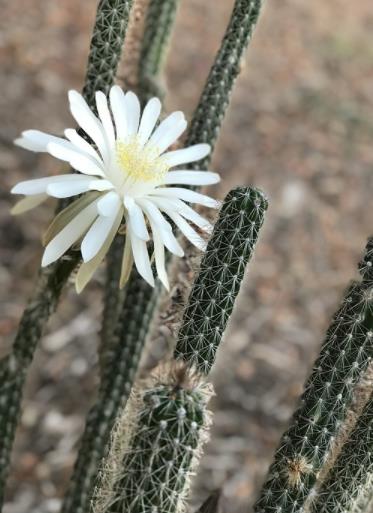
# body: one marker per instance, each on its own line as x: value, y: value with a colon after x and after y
x: 300, y: 127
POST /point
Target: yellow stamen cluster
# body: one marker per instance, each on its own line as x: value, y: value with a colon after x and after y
x: 142, y: 164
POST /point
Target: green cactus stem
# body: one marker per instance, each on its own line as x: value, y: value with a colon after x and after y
x: 308, y: 444
x: 216, y: 287
x: 160, y: 16
x: 152, y: 458
x: 106, y: 46
x: 158, y: 25
x: 52, y: 279
x: 113, y: 300
x: 128, y: 343
x: 14, y: 366
x: 349, y: 485
x: 215, y: 97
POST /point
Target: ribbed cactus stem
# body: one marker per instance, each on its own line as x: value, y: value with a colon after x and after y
x: 158, y: 25
x: 52, y: 279
x: 151, y: 460
x: 216, y: 287
x: 116, y: 383
x: 113, y: 301
x: 215, y: 97
x: 308, y: 444
x: 14, y: 367
x: 349, y: 485
x: 106, y: 46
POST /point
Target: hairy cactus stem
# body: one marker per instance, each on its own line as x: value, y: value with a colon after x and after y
x: 218, y: 282
x: 215, y: 97
x: 349, y: 485
x: 308, y: 444
x: 106, y: 46
x: 156, y: 445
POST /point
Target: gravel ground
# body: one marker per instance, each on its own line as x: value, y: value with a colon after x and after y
x: 300, y: 127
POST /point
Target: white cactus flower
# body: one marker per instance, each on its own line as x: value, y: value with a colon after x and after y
x: 124, y: 177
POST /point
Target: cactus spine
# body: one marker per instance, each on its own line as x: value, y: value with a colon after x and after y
x: 152, y: 471
x: 220, y: 275
x: 349, y: 485
x: 344, y: 358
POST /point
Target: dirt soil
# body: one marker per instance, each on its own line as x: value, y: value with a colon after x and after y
x: 300, y: 127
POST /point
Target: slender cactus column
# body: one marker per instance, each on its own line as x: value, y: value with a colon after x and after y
x: 155, y: 446
x: 14, y: 366
x: 158, y: 26
x: 215, y: 97
x: 349, y: 486
x: 108, y: 34
x: 129, y: 336
x: 106, y: 46
x: 159, y: 21
x: 216, y: 287
x: 307, y: 445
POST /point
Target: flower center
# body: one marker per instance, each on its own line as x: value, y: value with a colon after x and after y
x: 141, y: 163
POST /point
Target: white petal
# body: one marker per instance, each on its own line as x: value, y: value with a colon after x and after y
x: 83, y: 163
x: 187, y: 155
x: 108, y: 204
x: 88, y: 122
x: 68, y: 189
x: 141, y: 256
x: 171, y: 136
x: 39, y: 185
x: 137, y: 219
x: 127, y: 263
x: 118, y: 108
x: 86, y: 270
x: 191, y: 178
x: 187, y: 230
x: 28, y: 203
x: 70, y: 234
x: 81, y: 144
x: 132, y: 112
x: 97, y: 234
x: 187, y: 195
x: 169, y: 124
x: 34, y: 140
x: 105, y: 116
x: 100, y: 185
x: 149, y: 119
x: 162, y: 226
x: 184, y: 210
